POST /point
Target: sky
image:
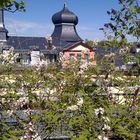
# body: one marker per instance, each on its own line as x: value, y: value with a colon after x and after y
x: 36, y: 21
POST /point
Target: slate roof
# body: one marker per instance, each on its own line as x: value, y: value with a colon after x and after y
x: 106, y: 49
x: 101, y: 51
x: 26, y: 43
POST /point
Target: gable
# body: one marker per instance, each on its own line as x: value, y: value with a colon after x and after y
x: 80, y: 48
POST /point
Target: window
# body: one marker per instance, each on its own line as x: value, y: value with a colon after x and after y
x: 25, y: 58
x: 72, y: 57
x: 79, y: 57
x: 50, y: 57
x: 87, y: 57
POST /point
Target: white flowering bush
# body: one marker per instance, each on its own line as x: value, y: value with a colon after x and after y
x: 39, y: 102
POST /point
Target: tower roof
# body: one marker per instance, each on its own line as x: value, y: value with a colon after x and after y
x: 65, y: 16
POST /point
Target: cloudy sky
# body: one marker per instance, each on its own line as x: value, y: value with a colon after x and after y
x: 36, y: 21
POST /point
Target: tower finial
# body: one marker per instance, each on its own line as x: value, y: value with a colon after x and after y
x: 65, y: 4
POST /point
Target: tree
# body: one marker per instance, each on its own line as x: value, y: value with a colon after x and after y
x: 13, y: 5
x: 89, y: 42
x: 125, y: 21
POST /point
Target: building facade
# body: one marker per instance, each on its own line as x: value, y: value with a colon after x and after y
x: 64, y: 40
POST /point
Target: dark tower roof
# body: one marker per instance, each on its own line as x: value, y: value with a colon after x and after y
x: 65, y: 32
x: 65, y: 16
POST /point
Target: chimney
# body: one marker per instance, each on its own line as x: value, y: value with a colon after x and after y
x: 49, y: 40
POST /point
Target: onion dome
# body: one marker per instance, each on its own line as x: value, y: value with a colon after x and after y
x: 65, y: 16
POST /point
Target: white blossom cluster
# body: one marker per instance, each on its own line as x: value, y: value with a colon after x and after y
x: 106, y: 119
x: 85, y: 65
x: 102, y: 137
x: 75, y: 107
x: 22, y: 101
x: 63, y: 57
x: 99, y: 111
x: 30, y: 133
x: 106, y: 128
x: 9, y: 56
x: 41, y: 64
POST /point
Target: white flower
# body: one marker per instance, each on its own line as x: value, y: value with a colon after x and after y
x: 100, y: 137
x: 27, y: 135
x: 80, y: 72
x: 106, y: 119
x: 8, y: 56
x: 40, y: 64
x: 106, y: 127
x: 80, y: 102
x: 36, y: 137
x: 29, y: 111
x: 10, y: 112
x: 73, y: 107
x: 30, y: 123
x: 22, y: 101
x: 3, y: 100
x: 61, y: 57
x: 84, y: 66
x: 99, y: 111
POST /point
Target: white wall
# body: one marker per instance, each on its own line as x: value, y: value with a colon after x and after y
x: 137, y: 50
x: 80, y: 48
x: 35, y: 57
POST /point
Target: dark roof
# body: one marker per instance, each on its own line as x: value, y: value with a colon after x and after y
x: 106, y: 49
x: 64, y: 39
x: 65, y: 16
x: 101, y: 51
x: 26, y: 43
x: 65, y: 30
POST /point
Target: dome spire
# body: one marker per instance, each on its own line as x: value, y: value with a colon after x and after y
x: 65, y: 5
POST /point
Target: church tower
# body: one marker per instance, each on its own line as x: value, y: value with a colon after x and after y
x: 65, y: 32
x: 3, y: 31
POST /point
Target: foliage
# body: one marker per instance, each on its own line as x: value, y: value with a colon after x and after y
x: 89, y: 42
x: 12, y: 5
x: 124, y: 21
x: 76, y: 101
